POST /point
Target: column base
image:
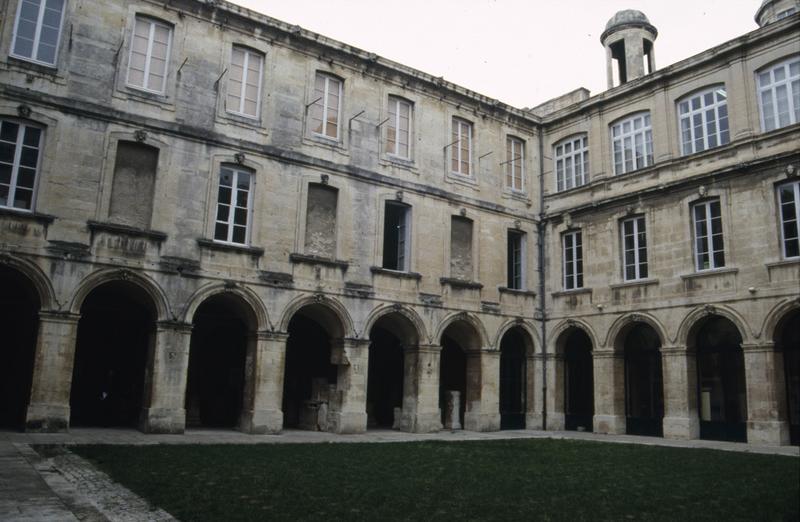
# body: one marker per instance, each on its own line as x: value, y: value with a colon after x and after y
x: 347, y: 422
x: 420, y: 422
x: 556, y: 421
x: 259, y: 422
x: 608, y: 424
x: 47, y: 418
x: 163, y: 420
x: 768, y: 433
x: 534, y: 421
x: 682, y: 428
x: 481, y: 421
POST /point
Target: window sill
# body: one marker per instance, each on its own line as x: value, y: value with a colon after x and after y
x: 27, y: 215
x: 241, y: 120
x: 388, y: 160
x: 710, y: 272
x: 126, y: 230
x: 574, y: 291
x: 334, y: 145
x: 27, y: 65
x: 514, y: 291
x: 317, y: 260
x: 637, y: 282
x: 224, y: 247
x: 460, y: 283
x: 517, y: 195
x: 161, y: 100
x: 278, y: 279
x: 460, y: 179
x: 784, y: 262
x: 395, y: 273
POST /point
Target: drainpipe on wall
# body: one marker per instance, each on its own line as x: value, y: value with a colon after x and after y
x: 541, y: 228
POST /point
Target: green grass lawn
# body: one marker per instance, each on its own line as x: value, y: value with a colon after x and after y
x: 494, y: 480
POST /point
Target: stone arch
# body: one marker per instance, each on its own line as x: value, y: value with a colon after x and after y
x: 533, y: 336
x: 150, y: 287
x: 615, y: 338
x: 771, y: 326
x: 256, y: 310
x: 468, y: 318
x: 694, y: 319
x: 40, y: 281
x: 333, y: 312
x: 556, y: 340
x: 414, y: 320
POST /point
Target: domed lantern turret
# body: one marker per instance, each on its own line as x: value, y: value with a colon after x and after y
x: 628, y: 40
x: 773, y: 10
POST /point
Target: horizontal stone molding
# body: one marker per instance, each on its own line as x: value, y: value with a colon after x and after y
x: 224, y: 247
x: 710, y: 273
x: 24, y: 215
x: 576, y: 291
x: 317, y: 260
x: 638, y: 282
x: 399, y: 274
x: 126, y: 230
x: 515, y: 291
x: 460, y: 283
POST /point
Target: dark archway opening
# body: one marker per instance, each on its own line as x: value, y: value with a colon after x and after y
x: 789, y: 343
x: 452, y: 376
x: 115, y: 334
x: 578, y: 382
x: 19, y: 322
x: 513, y: 380
x: 644, y: 391
x: 384, y: 377
x: 221, y: 331
x: 310, y: 379
x: 721, y: 381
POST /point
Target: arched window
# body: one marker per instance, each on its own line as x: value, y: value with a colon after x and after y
x: 632, y: 143
x: 779, y: 94
x: 703, y: 120
x: 571, y: 158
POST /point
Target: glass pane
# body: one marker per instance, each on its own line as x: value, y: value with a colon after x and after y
x: 5, y: 174
x: 32, y: 136
x: 221, y: 232
x: 26, y: 177
x: 223, y: 212
x: 8, y: 131
x: 239, y: 235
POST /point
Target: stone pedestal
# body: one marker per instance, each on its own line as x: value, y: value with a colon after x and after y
x: 679, y: 368
x: 452, y: 413
x: 556, y: 420
x: 262, y: 411
x: 48, y: 409
x: 483, y: 397
x: 766, y: 403
x: 535, y: 395
x: 609, y: 392
x: 420, y: 413
x: 166, y: 393
x: 348, y: 408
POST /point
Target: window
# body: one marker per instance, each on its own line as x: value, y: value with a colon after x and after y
x: 20, y: 147
x: 515, y: 159
x: 709, y: 247
x: 634, y: 249
x: 326, y: 106
x: 461, y: 147
x: 147, y: 68
x: 134, y: 183
x: 572, y: 163
x: 398, y: 131
x: 786, y: 12
x: 779, y: 94
x: 632, y: 141
x: 704, y: 120
x: 233, y: 206
x: 38, y: 30
x: 461, y: 248
x: 396, y: 227
x: 789, y: 200
x: 244, y: 82
x: 573, y: 260
x: 321, y: 208
x: 516, y: 254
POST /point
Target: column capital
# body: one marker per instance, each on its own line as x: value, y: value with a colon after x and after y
x: 268, y: 335
x: 57, y: 316
x: 426, y: 348
x: 763, y: 346
x: 607, y: 354
x: 675, y: 351
x: 178, y: 326
x: 352, y: 342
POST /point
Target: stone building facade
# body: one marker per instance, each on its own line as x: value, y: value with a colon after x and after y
x: 209, y: 217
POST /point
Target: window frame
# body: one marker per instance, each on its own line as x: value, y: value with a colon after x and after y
x: 638, y: 222
x: 13, y: 183
x: 645, y: 131
x: 403, y: 261
x: 394, y: 123
x: 248, y: 52
x: 563, y: 156
x: 148, y: 56
x: 708, y: 238
x: 515, y: 260
x: 37, y: 35
x: 325, y: 108
x: 573, y: 280
x: 794, y: 112
x: 702, y: 111
x: 513, y: 161
x: 795, y: 187
x: 231, y: 203
x: 456, y: 148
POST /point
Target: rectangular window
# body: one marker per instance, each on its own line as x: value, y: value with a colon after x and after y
x: 38, y: 30
x: 632, y: 142
x: 398, y: 129
x: 515, y: 159
x: 244, y: 82
x: 704, y: 120
x: 461, y: 248
x: 572, y: 163
x: 133, y: 184
x: 321, y: 210
x: 326, y: 106
x: 573, y: 260
x: 461, y: 147
x: 516, y: 254
x: 709, y: 247
x: 20, y: 147
x: 789, y: 200
x: 395, y: 236
x: 234, y: 204
x: 779, y: 94
x: 634, y: 249
x: 147, y: 68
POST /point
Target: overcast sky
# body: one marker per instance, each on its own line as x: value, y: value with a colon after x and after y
x: 522, y: 52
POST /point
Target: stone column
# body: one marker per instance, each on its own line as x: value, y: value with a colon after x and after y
x: 263, y: 402
x: 165, y: 398
x: 556, y: 419
x: 421, y: 412
x: 679, y: 367
x: 348, y: 409
x: 48, y: 409
x: 609, y: 392
x: 766, y: 403
x: 482, y: 397
x: 534, y: 394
